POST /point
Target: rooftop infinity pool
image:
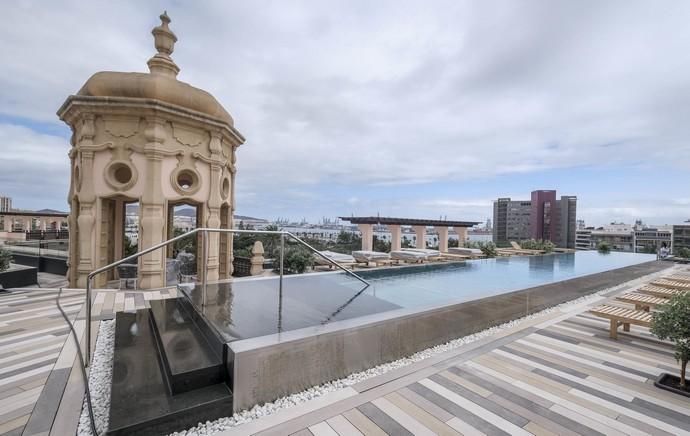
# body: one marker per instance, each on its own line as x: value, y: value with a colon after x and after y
x: 251, y: 308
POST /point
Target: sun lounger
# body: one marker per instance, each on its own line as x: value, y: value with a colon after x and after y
x: 409, y: 256
x: 621, y: 316
x: 429, y: 252
x: 681, y: 277
x: 659, y: 291
x: 450, y: 256
x: 465, y: 251
x: 343, y: 259
x: 512, y: 252
x: 375, y: 257
x: 644, y: 302
x: 673, y: 284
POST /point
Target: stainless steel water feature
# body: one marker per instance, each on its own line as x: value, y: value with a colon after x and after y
x: 204, y: 282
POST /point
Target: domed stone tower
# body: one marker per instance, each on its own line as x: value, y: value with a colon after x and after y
x: 150, y: 139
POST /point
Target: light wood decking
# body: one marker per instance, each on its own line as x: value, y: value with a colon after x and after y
x: 558, y: 374
x: 38, y: 358
x: 568, y: 378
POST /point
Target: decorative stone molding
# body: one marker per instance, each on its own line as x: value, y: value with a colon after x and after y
x: 87, y: 129
x: 186, y: 136
x: 121, y: 174
x: 121, y: 128
x: 185, y: 180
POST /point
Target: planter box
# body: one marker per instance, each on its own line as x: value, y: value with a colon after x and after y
x: 668, y: 382
x: 18, y: 276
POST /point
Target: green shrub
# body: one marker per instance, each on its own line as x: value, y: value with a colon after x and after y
x: 381, y: 246
x: 672, y: 322
x: 603, y: 247
x: 488, y: 248
x: 5, y: 259
x: 684, y: 252
x: 296, y: 261
x: 531, y: 244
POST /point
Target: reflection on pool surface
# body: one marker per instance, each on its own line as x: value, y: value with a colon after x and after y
x: 251, y: 308
x: 434, y: 284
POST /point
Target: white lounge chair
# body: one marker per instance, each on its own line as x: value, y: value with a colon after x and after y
x: 409, y: 256
x: 343, y: 259
x: 465, y: 251
x: 427, y: 251
x: 366, y: 256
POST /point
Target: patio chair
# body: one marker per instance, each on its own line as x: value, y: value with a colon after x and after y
x: 644, y: 302
x: 621, y: 316
x: 127, y: 272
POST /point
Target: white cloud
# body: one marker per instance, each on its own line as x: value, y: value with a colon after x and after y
x: 35, y: 166
x: 387, y: 93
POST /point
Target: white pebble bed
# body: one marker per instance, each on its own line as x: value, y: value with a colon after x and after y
x: 100, y: 375
x: 101, y: 372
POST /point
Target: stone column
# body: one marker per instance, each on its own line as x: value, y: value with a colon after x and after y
x: 7, y: 222
x: 442, y: 239
x: 214, y: 202
x: 420, y: 231
x: 462, y: 235
x: 257, y: 260
x: 396, y: 237
x: 152, y: 210
x: 367, y: 236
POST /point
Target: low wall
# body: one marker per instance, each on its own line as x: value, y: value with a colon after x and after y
x: 52, y: 265
x: 18, y: 276
x: 269, y: 367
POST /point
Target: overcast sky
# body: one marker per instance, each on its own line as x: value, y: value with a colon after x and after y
x: 415, y: 109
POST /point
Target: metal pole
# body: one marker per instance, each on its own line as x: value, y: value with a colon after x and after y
x: 87, y: 360
x: 282, y: 259
x: 205, y: 269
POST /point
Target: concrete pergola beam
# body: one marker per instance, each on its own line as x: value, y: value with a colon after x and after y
x: 367, y: 231
x: 420, y: 232
x: 396, y: 237
x: 462, y: 235
x: 442, y: 239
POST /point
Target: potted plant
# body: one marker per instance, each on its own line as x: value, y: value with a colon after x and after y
x: 672, y: 322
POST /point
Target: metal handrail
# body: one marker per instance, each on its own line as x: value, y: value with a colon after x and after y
x: 205, y: 231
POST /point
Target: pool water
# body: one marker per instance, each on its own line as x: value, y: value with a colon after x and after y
x: 242, y: 309
x: 436, y: 284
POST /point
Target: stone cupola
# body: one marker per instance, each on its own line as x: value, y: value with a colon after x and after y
x: 150, y: 139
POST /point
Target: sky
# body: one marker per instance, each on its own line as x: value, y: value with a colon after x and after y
x: 413, y: 109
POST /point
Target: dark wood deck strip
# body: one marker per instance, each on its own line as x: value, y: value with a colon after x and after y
x: 454, y: 409
x: 382, y: 420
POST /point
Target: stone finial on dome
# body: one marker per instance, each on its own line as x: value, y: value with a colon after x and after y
x: 164, y: 40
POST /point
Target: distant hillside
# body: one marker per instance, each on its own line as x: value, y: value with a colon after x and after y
x: 48, y: 211
x: 133, y: 209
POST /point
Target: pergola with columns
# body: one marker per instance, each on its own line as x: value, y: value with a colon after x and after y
x: 366, y: 227
x: 46, y: 221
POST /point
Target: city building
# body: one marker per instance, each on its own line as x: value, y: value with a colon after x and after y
x: 5, y: 204
x: 542, y: 217
x: 616, y: 240
x: 511, y: 220
x: 681, y: 237
x: 583, y: 239
x: 651, y: 239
